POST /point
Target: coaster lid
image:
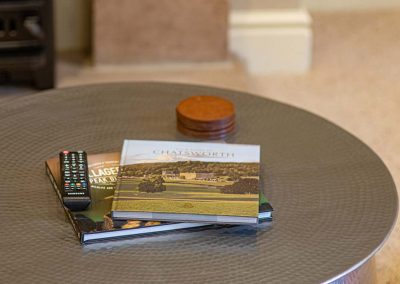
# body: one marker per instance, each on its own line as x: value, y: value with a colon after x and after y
x: 205, y: 112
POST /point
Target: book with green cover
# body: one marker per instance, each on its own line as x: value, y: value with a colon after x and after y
x: 95, y: 224
x: 188, y: 182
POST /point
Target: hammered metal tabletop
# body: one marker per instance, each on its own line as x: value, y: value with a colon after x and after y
x: 335, y: 202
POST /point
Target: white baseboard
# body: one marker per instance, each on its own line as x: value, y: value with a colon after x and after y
x: 272, y: 41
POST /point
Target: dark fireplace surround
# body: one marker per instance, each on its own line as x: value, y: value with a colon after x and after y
x: 27, y: 42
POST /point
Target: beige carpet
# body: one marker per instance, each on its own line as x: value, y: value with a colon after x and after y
x: 354, y: 82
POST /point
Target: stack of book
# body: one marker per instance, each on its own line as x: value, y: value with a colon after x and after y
x: 156, y: 186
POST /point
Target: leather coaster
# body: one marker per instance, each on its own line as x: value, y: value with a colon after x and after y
x: 212, y: 135
x: 205, y: 116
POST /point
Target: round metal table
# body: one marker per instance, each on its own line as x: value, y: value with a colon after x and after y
x: 335, y: 202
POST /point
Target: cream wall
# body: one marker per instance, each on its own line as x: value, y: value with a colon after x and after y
x: 264, y: 4
x: 73, y: 16
x: 316, y: 5
x: 349, y: 5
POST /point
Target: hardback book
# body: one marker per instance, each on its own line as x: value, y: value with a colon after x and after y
x: 95, y: 224
x: 188, y: 182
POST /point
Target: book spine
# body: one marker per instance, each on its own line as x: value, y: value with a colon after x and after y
x: 114, y: 206
x: 66, y: 210
x: 116, y: 191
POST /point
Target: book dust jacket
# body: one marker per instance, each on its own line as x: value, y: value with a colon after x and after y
x: 188, y: 178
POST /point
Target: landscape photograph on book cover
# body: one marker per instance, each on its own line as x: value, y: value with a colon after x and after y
x: 172, y: 183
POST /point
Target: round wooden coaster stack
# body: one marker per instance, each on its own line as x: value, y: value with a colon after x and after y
x: 206, y: 117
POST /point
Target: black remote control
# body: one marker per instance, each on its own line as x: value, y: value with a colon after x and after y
x: 75, y: 180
